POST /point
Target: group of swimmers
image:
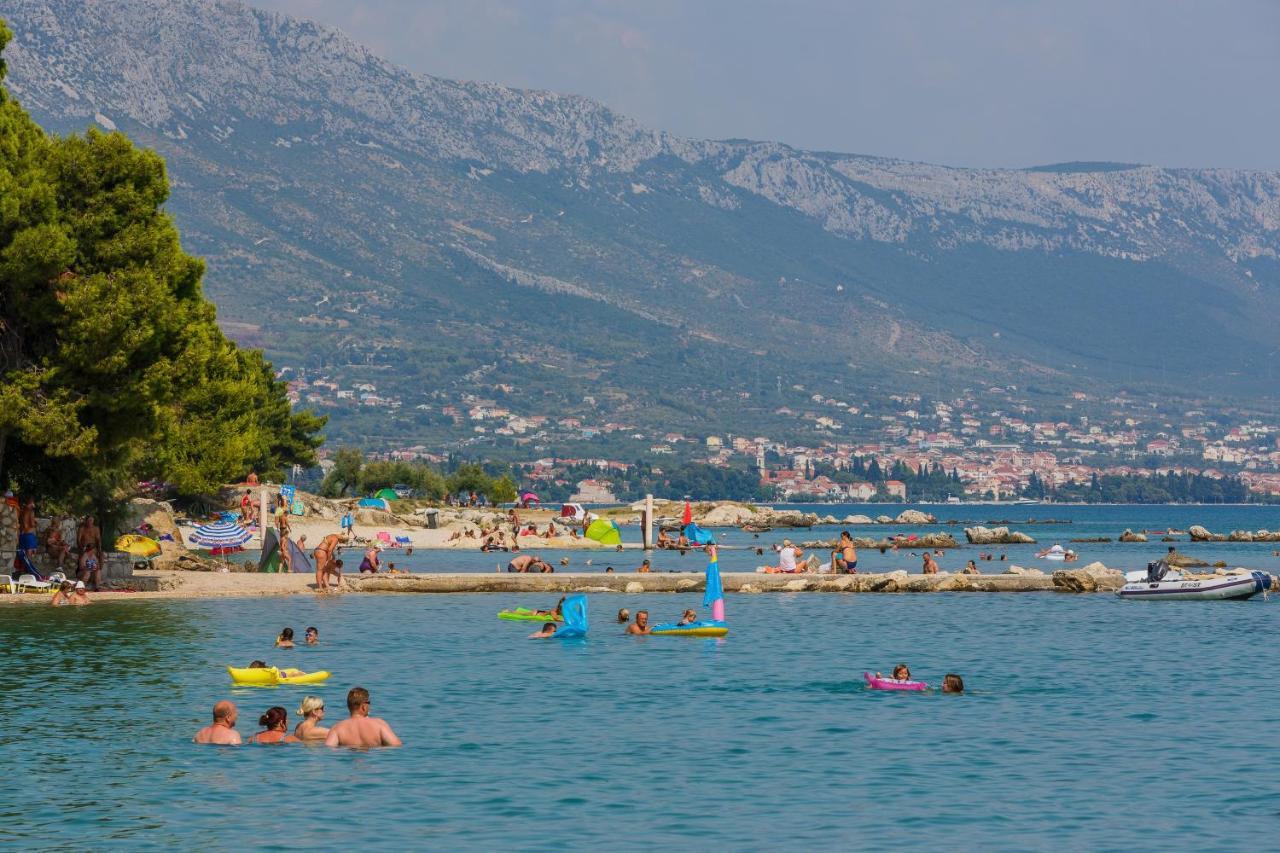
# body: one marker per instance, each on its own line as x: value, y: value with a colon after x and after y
x: 359, y: 730
x: 951, y: 683
x: 70, y: 593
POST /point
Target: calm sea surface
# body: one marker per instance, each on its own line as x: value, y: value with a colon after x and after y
x: 1086, y: 522
x: 1091, y: 723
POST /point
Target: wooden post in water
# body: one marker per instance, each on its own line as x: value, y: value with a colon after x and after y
x: 646, y: 523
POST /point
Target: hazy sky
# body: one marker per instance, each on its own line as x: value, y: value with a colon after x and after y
x: 978, y: 82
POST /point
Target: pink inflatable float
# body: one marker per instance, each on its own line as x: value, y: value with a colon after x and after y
x: 889, y: 684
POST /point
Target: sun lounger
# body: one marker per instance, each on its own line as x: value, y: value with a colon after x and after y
x: 26, y: 582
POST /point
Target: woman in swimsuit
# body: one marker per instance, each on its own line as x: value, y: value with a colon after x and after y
x: 312, y: 712
x: 276, y: 727
x: 323, y: 554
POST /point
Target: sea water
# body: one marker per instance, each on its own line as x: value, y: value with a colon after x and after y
x: 1090, y: 722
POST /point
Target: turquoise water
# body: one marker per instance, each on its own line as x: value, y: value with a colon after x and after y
x: 1091, y: 723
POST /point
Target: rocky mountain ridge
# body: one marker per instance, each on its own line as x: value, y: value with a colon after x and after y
x: 346, y: 204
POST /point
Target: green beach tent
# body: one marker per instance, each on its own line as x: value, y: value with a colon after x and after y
x: 604, y: 532
x: 387, y: 495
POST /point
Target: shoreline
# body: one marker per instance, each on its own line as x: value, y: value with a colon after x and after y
x: 151, y: 585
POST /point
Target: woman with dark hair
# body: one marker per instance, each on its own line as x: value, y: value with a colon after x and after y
x: 275, y: 725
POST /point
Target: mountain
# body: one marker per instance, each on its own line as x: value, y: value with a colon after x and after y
x: 448, y: 241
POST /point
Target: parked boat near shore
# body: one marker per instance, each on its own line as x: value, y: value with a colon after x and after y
x: 1175, y: 586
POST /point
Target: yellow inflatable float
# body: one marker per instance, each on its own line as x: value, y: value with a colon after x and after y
x: 138, y: 546
x: 270, y: 676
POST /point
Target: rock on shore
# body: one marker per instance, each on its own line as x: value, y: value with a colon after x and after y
x: 996, y: 536
x: 1130, y: 536
x: 1094, y: 577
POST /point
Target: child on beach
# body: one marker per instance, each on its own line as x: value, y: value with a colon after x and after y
x: 285, y: 640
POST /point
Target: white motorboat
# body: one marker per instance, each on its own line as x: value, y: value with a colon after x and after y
x: 1172, y: 585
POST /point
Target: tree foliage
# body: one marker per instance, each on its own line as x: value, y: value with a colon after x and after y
x: 112, y: 367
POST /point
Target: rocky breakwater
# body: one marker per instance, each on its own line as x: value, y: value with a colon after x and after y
x: 730, y: 514
x: 1199, y: 533
x: 1094, y: 577
x: 928, y: 540
x: 1130, y: 536
x: 734, y: 583
x: 996, y: 536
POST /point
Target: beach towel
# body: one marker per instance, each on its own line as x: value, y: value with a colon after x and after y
x: 23, y: 566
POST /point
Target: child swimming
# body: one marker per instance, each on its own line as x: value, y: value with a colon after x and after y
x: 952, y: 683
x: 900, y: 673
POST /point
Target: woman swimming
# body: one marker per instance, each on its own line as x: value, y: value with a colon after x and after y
x: 275, y: 725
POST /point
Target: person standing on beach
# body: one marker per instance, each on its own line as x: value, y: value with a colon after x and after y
x: 27, y: 540
x: 89, y: 544
x: 361, y: 730
x: 223, y: 730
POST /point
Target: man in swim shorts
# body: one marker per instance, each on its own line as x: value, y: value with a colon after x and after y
x: 27, y: 540
x: 223, y: 729
x: 844, y: 560
x: 529, y: 563
x: 89, y: 544
x: 361, y: 730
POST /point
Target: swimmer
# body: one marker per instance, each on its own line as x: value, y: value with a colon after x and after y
x: 900, y: 673
x: 312, y: 712
x: 275, y: 725
x: 688, y: 618
x: 312, y: 636
x: 257, y: 665
x: 285, y: 640
x: 952, y: 683
x: 641, y: 625
x: 79, y: 595
x: 624, y: 616
x: 645, y: 567
x: 608, y: 570
x: 63, y: 595
x: 223, y: 730
x: 971, y: 568
x: 361, y: 730
x: 548, y: 630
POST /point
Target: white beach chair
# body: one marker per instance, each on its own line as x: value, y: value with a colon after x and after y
x: 7, y: 580
x: 26, y: 582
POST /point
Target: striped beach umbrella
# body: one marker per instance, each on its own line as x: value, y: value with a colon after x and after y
x: 219, y: 535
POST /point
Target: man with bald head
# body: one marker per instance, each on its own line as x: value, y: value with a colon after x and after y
x: 223, y: 730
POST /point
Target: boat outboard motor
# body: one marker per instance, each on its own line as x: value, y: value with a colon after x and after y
x: 1156, y: 571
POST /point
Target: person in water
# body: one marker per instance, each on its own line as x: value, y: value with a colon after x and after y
x: 257, y: 664
x: 361, y: 730
x: 63, y: 596
x: 545, y: 631
x: 930, y: 565
x: 80, y: 595
x: 971, y: 568
x: 371, y: 562
x: 641, y: 625
x: 645, y: 567
x: 952, y: 683
x: 312, y: 712
x: 223, y: 728
x: 275, y: 725
x: 285, y: 640
x: 688, y: 618
x: 624, y: 616
x: 900, y: 673
x: 312, y: 635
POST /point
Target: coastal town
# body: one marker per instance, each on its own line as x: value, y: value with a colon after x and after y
x: 989, y: 450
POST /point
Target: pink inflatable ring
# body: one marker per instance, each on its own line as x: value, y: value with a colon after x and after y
x: 889, y: 684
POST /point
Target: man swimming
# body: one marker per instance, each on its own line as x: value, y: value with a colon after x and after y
x: 641, y: 625
x: 361, y: 730
x: 223, y: 729
x: 548, y: 630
